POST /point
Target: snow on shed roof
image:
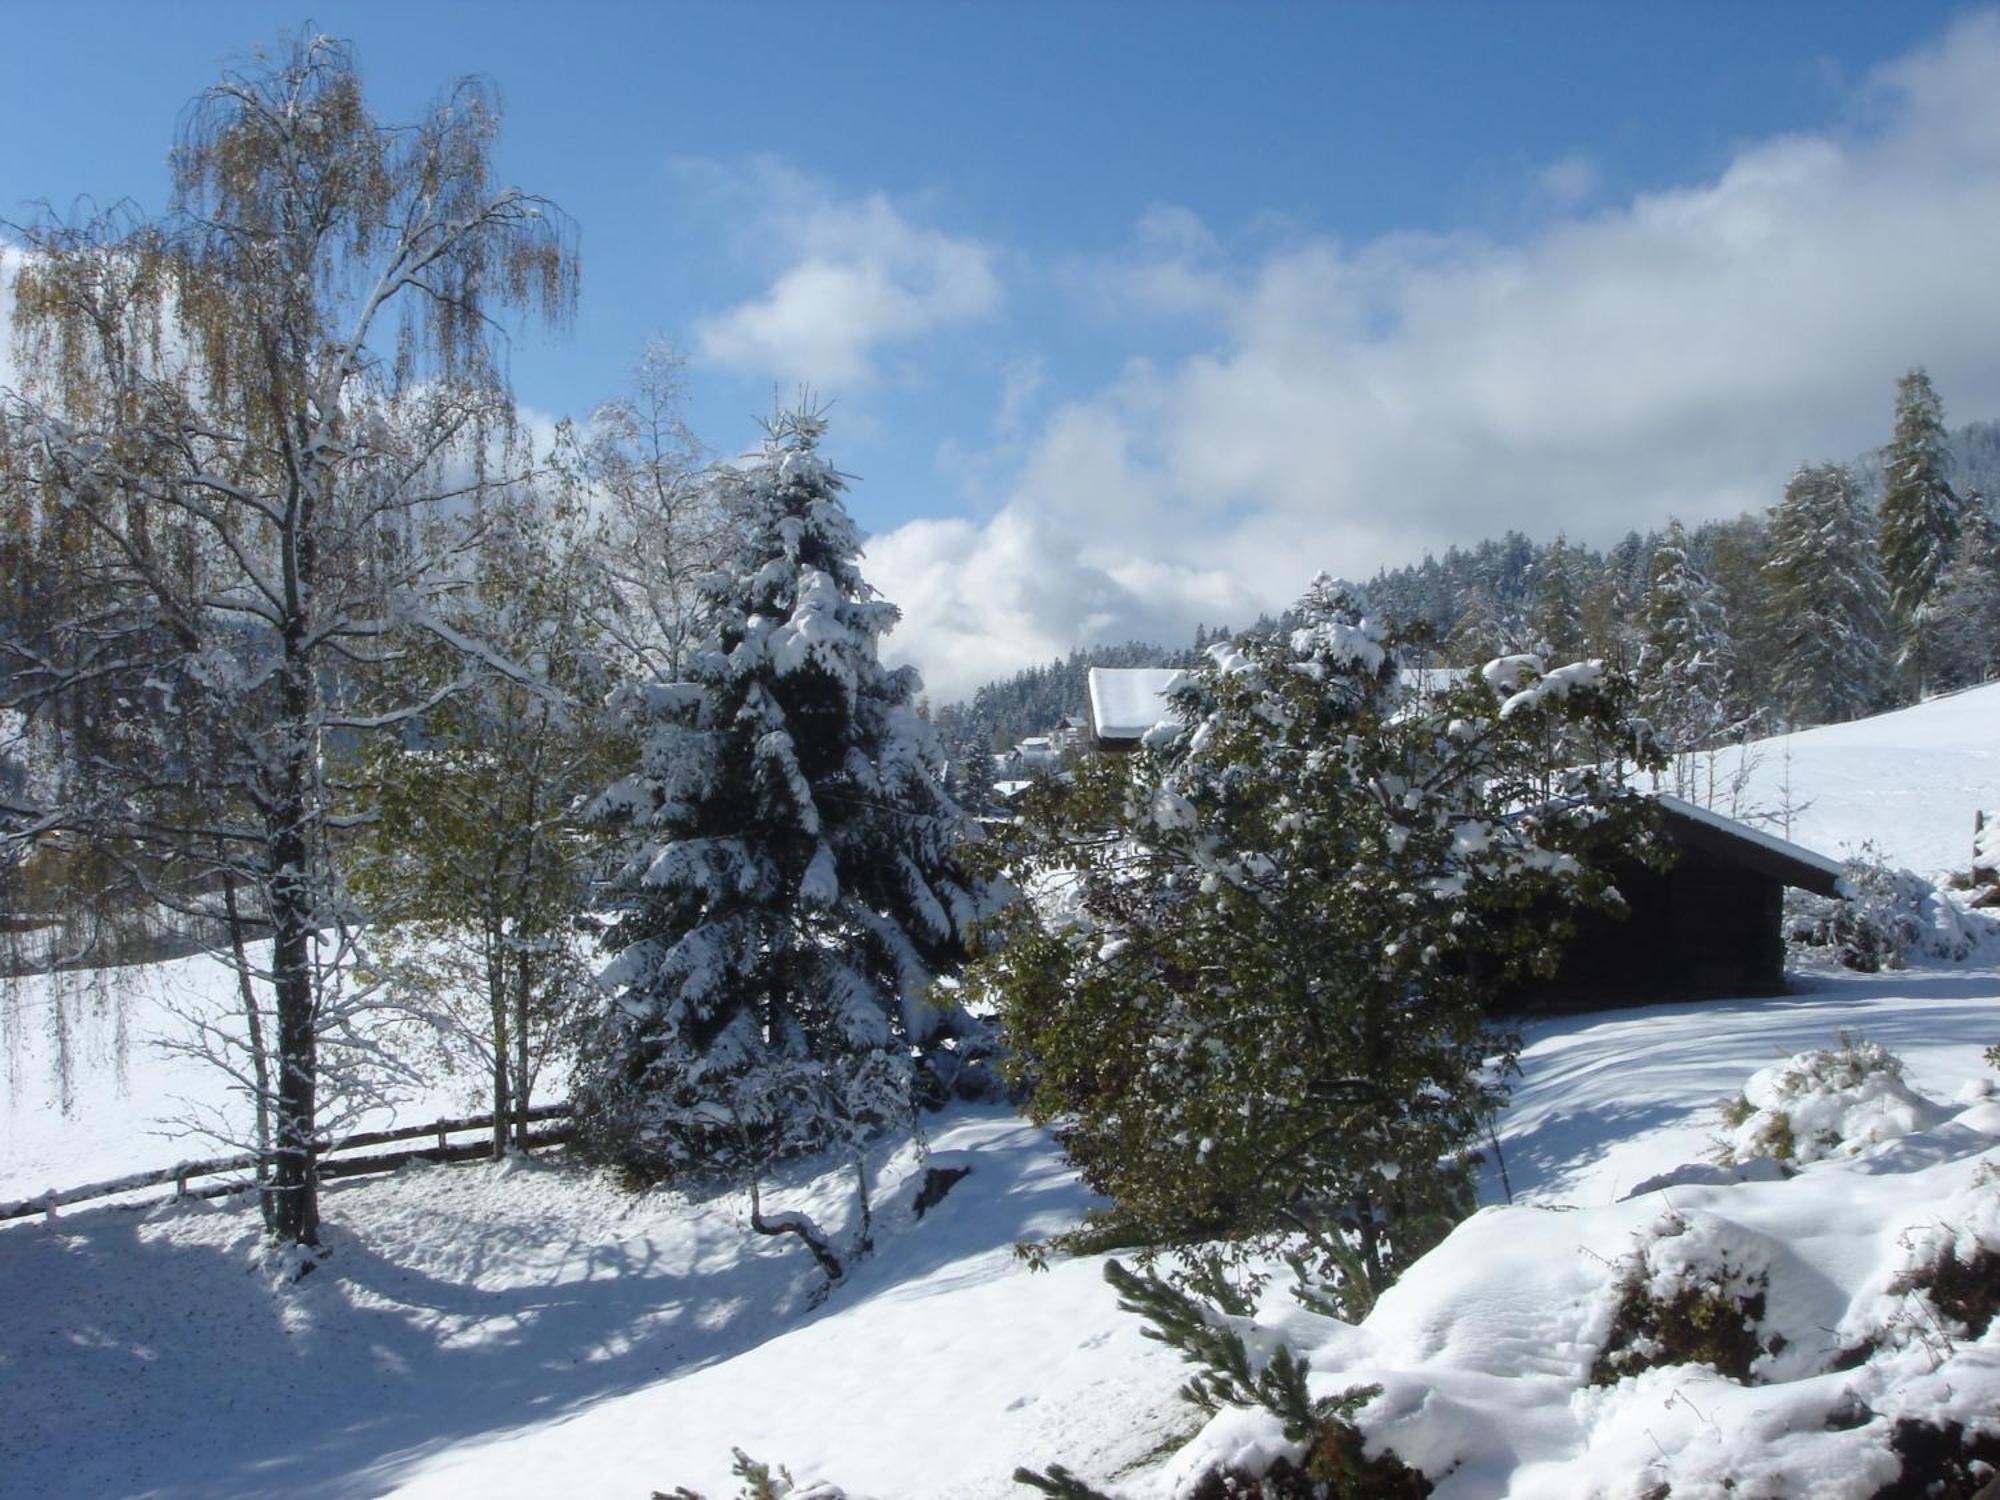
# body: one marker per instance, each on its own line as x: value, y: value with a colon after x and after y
x: 1792, y: 863
x: 1125, y: 702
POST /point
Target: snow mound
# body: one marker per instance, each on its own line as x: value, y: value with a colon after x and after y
x: 1830, y: 1101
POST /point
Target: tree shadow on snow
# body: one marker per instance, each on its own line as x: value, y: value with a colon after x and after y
x: 141, y: 1360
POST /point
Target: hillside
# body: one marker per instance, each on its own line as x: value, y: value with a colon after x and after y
x: 530, y: 1330
x: 1908, y: 782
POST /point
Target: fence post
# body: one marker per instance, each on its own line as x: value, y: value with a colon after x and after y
x: 441, y: 1143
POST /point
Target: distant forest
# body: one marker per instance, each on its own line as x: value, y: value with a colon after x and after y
x: 1788, y: 617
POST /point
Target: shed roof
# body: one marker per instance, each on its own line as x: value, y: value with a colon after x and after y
x: 1763, y: 852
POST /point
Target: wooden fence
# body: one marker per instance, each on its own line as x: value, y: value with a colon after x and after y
x: 331, y: 1160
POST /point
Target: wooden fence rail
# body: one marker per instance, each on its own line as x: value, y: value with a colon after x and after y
x: 440, y: 1132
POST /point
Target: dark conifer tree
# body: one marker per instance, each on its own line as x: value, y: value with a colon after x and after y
x: 1920, y: 520
x: 1826, y: 603
x: 791, y: 888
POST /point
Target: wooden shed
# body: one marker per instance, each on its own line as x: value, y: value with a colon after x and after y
x: 1709, y: 925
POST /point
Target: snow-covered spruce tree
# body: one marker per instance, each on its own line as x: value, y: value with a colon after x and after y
x: 1257, y: 1007
x: 1826, y: 605
x: 792, y: 889
x: 1684, y: 659
x: 1555, y: 605
x: 1479, y: 633
x: 1966, y: 639
x: 1920, y: 520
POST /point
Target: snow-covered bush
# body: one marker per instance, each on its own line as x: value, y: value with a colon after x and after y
x: 1833, y: 1100
x: 1691, y: 1292
x: 1886, y: 919
x: 1259, y: 1014
x: 1268, y: 1437
x: 1955, y: 1265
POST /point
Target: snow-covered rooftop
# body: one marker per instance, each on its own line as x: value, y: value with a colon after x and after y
x: 1769, y: 842
x: 1125, y: 702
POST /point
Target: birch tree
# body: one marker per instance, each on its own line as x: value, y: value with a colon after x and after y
x: 244, y: 430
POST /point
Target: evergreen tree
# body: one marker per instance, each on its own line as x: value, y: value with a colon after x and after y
x: 1258, y: 1011
x: 791, y: 888
x: 1920, y: 520
x: 1479, y: 635
x: 1966, y: 641
x: 1738, y: 553
x: 1826, y: 604
x: 1684, y: 658
x: 1555, y: 610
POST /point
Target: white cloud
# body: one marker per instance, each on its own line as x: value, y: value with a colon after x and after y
x: 1673, y: 355
x: 1569, y: 181
x: 857, y: 275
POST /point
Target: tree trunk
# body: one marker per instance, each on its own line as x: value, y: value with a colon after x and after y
x: 294, y: 1179
x: 521, y: 1081
x: 496, y: 1002
x: 294, y: 1183
x: 260, y: 1055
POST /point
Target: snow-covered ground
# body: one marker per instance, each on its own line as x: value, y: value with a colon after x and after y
x: 531, y: 1330
x: 90, y: 1096
x: 1908, y: 782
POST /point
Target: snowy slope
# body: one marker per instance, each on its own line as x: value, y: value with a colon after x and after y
x: 532, y: 1331
x: 1908, y: 781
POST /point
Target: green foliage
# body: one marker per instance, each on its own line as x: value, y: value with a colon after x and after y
x: 1333, y: 1458
x: 1252, y: 991
x: 760, y: 1482
x: 479, y: 857
x: 1690, y: 1316
x: 1920, y: 518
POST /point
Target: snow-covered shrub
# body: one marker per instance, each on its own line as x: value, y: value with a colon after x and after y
x: 1268, y: 1437
x: 1834, y: 1100
x: 1261, y: 1015
x: 1955, y: 1266
x: 1886, y: 919
x: 762, y: 1482
x: 1691, y: 1292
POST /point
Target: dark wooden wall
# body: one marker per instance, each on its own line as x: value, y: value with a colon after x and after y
x: 1705, y: 927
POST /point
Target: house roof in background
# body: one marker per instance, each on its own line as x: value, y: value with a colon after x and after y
x: 1125, y: 702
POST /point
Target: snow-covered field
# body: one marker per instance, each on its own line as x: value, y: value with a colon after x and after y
x: 530, y: 1330
x: 1908, y: 782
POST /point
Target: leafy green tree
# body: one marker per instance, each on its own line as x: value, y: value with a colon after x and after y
x: 1252, y: 987
x: 479, y: 859
x: 1920, y: 520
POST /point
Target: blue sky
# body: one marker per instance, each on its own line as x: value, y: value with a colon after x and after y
x: 1136, y: 315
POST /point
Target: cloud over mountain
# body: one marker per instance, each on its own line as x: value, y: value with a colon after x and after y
x: 1675, y: 353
